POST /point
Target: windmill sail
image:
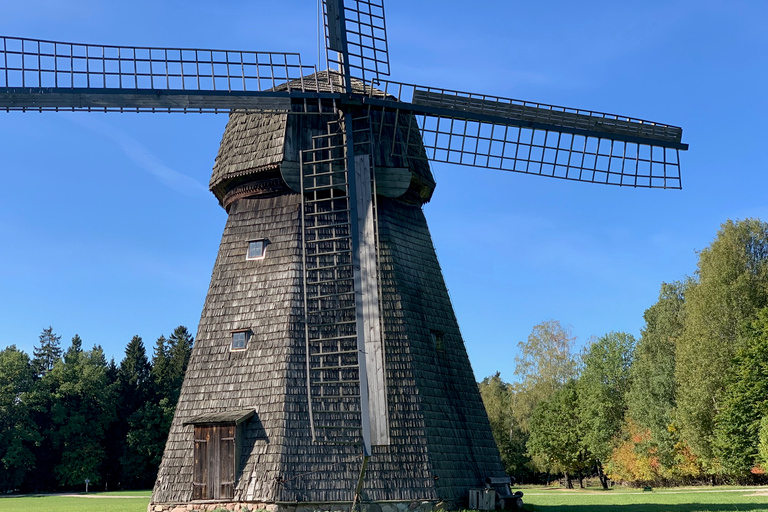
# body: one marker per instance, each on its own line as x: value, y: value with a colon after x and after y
x: 356, y: 38
x: 533, y: 138
x: 51, y: 75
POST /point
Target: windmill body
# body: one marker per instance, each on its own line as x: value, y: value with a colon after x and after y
x: 328, y: 366
x: 439, y: 442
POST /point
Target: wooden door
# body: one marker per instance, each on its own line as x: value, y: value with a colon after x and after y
x: 226, y: 461
x: 213, y: 475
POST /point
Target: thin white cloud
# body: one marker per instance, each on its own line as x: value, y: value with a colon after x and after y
x: 141, y: 156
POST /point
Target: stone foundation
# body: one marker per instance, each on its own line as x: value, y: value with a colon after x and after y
x: 386, y: 506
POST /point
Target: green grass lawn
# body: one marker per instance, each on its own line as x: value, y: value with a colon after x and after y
x: 537, y: 499
x: 676, y: 499
x: 127, y: 501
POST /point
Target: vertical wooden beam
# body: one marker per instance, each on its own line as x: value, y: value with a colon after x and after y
x: 360, y: 298
x: 374, y: 350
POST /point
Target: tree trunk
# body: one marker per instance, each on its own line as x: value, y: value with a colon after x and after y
x: 601, y: 475
x: 568, y: 481
x: 581, y: 479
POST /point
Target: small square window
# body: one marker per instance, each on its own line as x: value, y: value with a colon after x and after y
x: 438, y: 340
x: 256, y: 250
x: 240, y: 339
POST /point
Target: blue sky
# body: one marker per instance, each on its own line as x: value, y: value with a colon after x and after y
x: 107, y: 228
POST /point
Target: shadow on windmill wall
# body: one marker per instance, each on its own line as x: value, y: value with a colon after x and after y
x: 254, y: 433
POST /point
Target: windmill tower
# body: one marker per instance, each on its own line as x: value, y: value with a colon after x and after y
x: 328, y: 364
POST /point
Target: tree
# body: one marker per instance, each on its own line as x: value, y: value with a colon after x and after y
x: 135, y: 388
x: 82, y: 410
x: 602, y: 389
x: 133, y: 376
x: 49, y: 351
x: 179, y: 350
x: 159, y: 368
x: 731, y: 286
x: 544, y: 364
x: 497, y: 397
x: 744, y: 403
x: 556, y: 433
x: 762, y: 443
x: 18, y: 433
x: 651, y: 399
x: 74, y: 350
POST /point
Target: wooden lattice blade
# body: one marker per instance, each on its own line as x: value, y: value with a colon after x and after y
x: 42, y: 99
x: 356, y: 37
x: 550, y: 118
x: 51, y: 75
x: 530, y: 138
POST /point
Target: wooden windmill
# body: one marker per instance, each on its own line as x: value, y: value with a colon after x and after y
x: 328, y: 362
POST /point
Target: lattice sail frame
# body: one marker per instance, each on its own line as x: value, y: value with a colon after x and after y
x: 357, y: 30
x: 530, y: 138
x: 41, y: 75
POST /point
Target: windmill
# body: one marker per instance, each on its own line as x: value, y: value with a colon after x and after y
x: 328, y: 362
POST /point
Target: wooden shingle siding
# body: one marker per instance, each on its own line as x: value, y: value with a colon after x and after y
x: 440, y: 439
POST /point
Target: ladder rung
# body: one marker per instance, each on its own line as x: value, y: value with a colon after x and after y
x: 320, y: 174
x: 329, y: 226
x: 335, y: 368
x: 321, y: 240
x: 346, y: 322
x: 330, y: 267
x: 313, y: 214
x: 332, y: 186
x: 333, y: 382
x: 335, y: 353
x: 330, y: 295
x: 335, y: 338
x: 330, y: 281
x: 328, y: 253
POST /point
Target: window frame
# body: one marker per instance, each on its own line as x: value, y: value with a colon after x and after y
x: 247, y: 333
x: 438, y: 340
x: 263, y: 254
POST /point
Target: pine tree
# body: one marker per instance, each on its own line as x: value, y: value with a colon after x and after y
x: 179, y: 350
x: 81, y: 413
x: 135, y: 388
x: 49, y: 351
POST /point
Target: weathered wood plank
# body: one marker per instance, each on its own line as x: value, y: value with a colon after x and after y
x: 596, y: 125
x: 94, y: 99
x: 374, y: 351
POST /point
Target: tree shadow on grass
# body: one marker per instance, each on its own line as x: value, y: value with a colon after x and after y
x: 651, y: 507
